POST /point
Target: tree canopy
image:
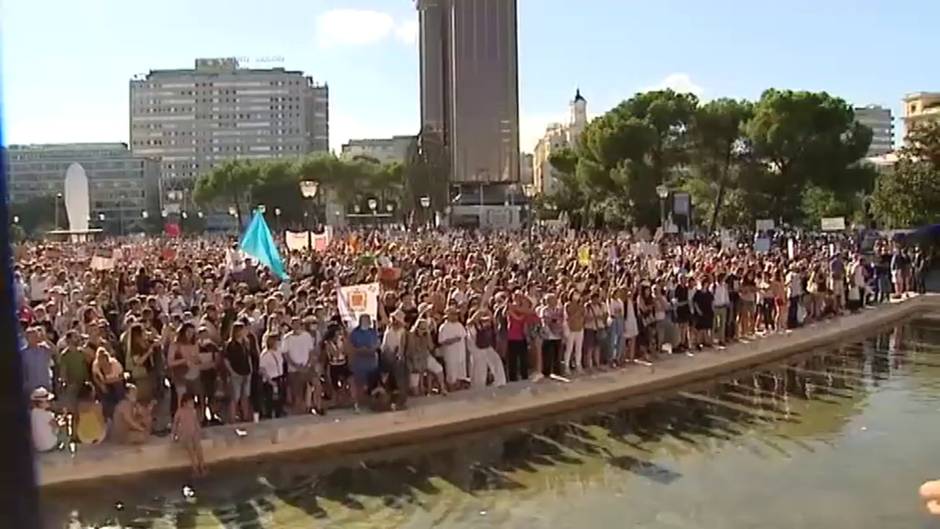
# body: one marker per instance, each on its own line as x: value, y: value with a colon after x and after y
x: 909, y: 195
x: 243, y: 183
x: 789, y: 156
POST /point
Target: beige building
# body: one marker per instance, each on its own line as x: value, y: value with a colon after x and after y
x: 921, y: 107
x: 192, y: 119
x: 557, y: 136
x: 385, y: 150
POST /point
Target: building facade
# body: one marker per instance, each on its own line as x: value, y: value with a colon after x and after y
x: 385, y: 150
x: 470, y: 87
x: 921, y: 108
x: 121, y: 186
x: 557, y: 136
x: 881, y: 123
x: 192, y: 119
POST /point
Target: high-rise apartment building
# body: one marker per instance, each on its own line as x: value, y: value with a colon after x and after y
x: 121, y: 186
x: 470, y: 87
x: 881, y: 123
x: 192, y: 119
x: 557, y: 136
x: 921, y: 107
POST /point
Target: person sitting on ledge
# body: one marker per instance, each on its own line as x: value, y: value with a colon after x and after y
x: 132, y: 420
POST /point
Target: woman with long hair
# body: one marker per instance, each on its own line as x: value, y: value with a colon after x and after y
x: 138, y: 354
x: 184, y: 364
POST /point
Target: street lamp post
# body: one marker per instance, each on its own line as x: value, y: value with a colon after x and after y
x: 308, y: 189
x: 58, y: 197
x: 373, y: 205
x: 426, y: 206
x: 663, y: 192
x: 277, y: 219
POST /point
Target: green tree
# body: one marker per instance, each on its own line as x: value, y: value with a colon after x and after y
x: 909, y: 195
x: 922, y: 143
x: 38, y: 214
x: 808, y: 138
x: 425, y: 174
x: 279, y: 189
x: 718, y: 148
x: 625, y: 153
x: 230, y: 182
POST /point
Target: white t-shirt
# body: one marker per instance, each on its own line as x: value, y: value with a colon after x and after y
x: 271, y: 364
x: 450, y: 330
x: 44, y: 437
x: 392, y: 340
x: 298, y: 347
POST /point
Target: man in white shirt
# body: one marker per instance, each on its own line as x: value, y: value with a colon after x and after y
x: 452, y: 337
x: 271, y: 369
x: 794, y: 293
x: 42, y: 421
x: 39, y: 284
x: 299, y: 346
x: 721, y: 302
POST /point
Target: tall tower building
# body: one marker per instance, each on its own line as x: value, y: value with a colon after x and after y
x: 881, y: 123
x: 578, y: 118
x: 470, y: 87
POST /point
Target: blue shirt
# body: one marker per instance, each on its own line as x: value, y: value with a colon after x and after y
x: 361, y: 338
x: 36, y: 372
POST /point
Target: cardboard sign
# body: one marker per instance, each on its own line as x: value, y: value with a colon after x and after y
x: 764, y: 224
x: 357, y: 300
x: 833, y: 224
x: 100, y: 262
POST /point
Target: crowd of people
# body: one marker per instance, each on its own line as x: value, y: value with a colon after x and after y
x: 126, y: 339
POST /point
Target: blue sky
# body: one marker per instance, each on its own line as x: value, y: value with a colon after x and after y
x: 66, y: 63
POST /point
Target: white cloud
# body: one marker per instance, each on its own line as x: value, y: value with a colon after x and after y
x: 680, y: 82
x: 407, y: 32
x: 361, y: 27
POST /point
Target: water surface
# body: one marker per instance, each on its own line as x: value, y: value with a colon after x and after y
x: 840, y: 438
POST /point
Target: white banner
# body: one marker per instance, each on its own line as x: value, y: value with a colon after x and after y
x: 99, y: 262
x: 357, y: 300
x: 300, y: 240
x: 765, y: 224
x: 833, y: 224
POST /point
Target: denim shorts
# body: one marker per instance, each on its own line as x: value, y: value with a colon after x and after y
x: 239, y: 386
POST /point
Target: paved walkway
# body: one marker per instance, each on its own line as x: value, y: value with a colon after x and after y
x: 467, y: 411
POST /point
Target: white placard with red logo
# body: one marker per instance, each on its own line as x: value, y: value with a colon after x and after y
x: 356, y: 300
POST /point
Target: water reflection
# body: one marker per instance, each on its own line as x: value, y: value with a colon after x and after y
x: 604, y: 463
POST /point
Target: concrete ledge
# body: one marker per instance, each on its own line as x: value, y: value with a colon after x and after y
x: 344, y: 432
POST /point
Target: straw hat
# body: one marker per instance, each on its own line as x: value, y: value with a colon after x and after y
x: 41, y: 394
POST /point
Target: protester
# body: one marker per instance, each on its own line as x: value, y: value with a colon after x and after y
x: 187, y: 429
x: 453, y: 309
x: 46, y: 430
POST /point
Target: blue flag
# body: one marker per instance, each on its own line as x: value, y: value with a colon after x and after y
x: 258, y: 243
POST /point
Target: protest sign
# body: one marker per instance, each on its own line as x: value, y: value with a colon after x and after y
x: 764, y: 224
x: 584, y: 255
x: 356, y: 300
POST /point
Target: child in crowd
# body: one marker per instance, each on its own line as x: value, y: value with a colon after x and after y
x: 187, y: 430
